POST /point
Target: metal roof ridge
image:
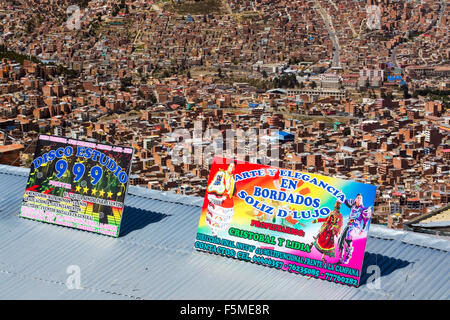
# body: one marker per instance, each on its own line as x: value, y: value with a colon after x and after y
x: 409, y: 237
x: 17, y: 171
x: 166, y: 196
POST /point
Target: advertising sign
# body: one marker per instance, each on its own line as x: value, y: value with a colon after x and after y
x: 298, y: 222
x: 77, y: 184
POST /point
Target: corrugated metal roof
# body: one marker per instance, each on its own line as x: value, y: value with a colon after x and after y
x: 433, y: 224
x: 154, y: 258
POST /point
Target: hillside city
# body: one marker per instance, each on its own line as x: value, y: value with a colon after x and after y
x: 355, y: 89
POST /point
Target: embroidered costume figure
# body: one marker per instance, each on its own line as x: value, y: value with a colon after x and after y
x: 357, y: 222
x: 220, y: 196
x: 324, y: 242
x: 223, y: 182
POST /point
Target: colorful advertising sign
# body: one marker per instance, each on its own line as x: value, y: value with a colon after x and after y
x: 298, y: 222
x: 77, y: 184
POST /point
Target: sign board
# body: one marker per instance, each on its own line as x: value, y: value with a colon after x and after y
x: 77, y: 184
x: 298, y: 222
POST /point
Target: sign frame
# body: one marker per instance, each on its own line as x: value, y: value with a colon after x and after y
x: 300, y: 222
x: 78, y: 184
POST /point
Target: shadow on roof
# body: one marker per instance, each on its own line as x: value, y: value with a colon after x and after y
x: 135, y: 219
x: 386, y: 264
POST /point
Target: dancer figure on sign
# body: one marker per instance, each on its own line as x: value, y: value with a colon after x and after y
x: 357, y: 223
x: 324, y: 241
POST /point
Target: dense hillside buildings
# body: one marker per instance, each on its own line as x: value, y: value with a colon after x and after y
x: 361, y: 104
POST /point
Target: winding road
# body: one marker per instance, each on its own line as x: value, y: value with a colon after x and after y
x: 336, y: 61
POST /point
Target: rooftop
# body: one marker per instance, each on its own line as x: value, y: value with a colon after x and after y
x: 11, y: 147
x: 154, y: 258
x: 443, y: 216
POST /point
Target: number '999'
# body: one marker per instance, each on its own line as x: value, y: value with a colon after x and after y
x: 78, y: 171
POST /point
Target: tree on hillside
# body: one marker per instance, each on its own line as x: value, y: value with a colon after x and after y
x: 287, y: 80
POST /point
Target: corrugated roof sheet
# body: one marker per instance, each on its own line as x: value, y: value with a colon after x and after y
x: 154, y: 258
x: 433, y: 224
